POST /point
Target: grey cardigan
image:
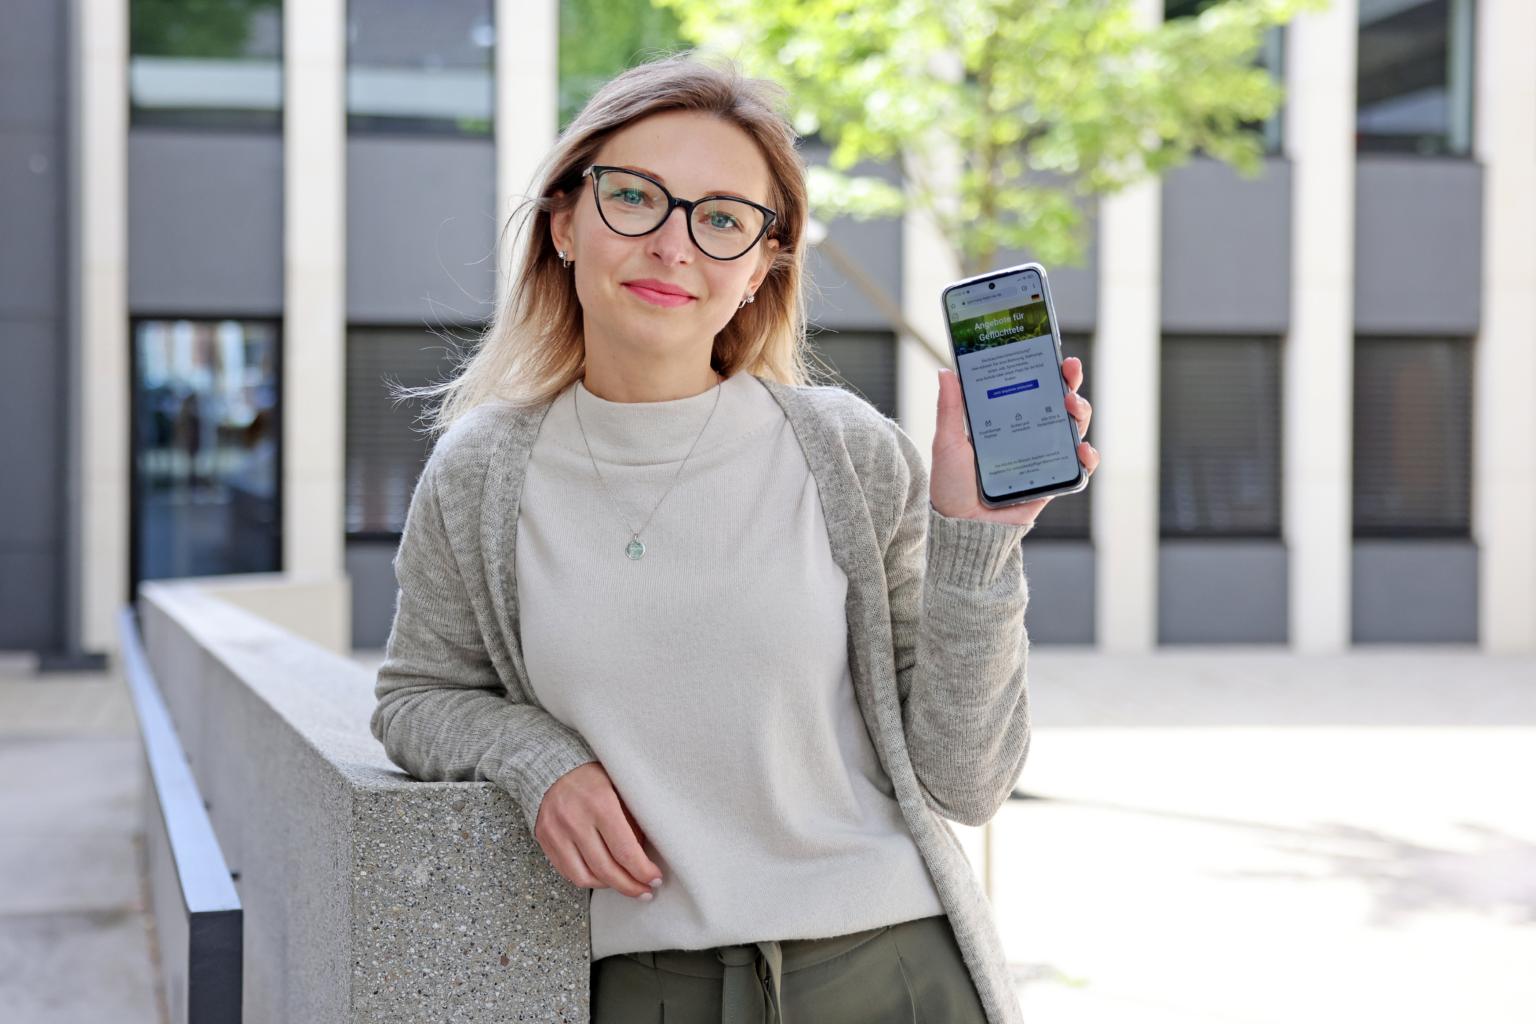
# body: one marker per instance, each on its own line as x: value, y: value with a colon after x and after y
x: 936, y: 639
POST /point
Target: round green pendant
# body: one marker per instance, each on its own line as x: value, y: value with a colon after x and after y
x: 635, y: 549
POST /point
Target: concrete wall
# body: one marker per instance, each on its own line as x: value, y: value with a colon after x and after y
x: 1226, y: 249
x: 874, y: 245
x: 1414, y: 591
x: 205, y: 223
x: 1061, y: 591
x: 367, y: 896
x: 1418, y: 246
x: 1218, y: 590
x: 421, y: 230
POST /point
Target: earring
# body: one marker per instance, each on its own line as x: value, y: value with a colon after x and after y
x: 750, y: 298
x: 563, y: 261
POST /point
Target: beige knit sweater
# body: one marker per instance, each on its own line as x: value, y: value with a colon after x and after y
x: 935, y: 629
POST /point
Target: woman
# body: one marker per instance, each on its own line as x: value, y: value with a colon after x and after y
x: 707, y: 623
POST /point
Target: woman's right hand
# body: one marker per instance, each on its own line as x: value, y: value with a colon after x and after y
x: 591, y: 838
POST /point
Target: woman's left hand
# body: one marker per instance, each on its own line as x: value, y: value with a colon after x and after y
x: 952, y: 481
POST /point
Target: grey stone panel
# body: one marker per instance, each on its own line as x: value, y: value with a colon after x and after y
x: 29, y: 596
x: 873, y: 245
x: 1060, y: 574
x: 1418, y: 245
x: 1414, y: 591
x: 421, y: 229
x: 32, y: 215
x: 30, y: 426
x: 1226, y: 249
x: 33, y: 340
x: 31, y: 64
x: 205, y: 223
x: 1220, y: 590
x: 370, y: 567
x: 368, y: 896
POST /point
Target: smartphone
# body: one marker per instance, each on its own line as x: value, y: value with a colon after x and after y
x: 1007, y: 353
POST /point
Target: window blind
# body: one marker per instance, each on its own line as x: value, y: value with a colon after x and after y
x: 1220, y: 442
x: 1413, y: 437
x: 386, y: 447
x: 862, y: 361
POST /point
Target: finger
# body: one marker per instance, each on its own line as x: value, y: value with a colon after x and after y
x: 639, y: 832
x: 595, y: 848
x: 949, y: 428
x: 1088, y: 455
x: 1072, y: 371
x: 1082, y: 411
x: 567, y: 860
x: 626, y: 842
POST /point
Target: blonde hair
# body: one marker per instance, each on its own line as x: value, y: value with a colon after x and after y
x: 533, y: 347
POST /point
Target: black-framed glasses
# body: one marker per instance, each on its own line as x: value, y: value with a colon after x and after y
x: 634, y: 204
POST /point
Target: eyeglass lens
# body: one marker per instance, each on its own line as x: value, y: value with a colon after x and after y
x: 631, y: 205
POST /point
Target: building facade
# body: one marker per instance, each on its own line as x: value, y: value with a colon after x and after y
x: 1311, y: 386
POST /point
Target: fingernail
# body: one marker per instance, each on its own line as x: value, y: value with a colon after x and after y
x: 647, y: 896
x: 655, y: 883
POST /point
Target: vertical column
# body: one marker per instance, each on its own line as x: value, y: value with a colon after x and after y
x: 1318, y: 360
x: 1504, y: 362
x: 527, y: 106
x: 315, y: 286
x: 929, y: 262
x: 101, y: 378
x: 1126, y: 390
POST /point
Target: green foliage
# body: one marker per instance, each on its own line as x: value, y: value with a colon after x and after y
x: 192, y: 28
x: 1046, y: 102
x: 601, y: 38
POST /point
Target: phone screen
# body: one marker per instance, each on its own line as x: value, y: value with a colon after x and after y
x: 1015, y: 399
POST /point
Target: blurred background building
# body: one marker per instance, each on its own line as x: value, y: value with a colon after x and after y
x: 226, y: 225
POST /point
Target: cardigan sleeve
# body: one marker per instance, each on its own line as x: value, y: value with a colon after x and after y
x: 443, y: 713
x: 957, y: 595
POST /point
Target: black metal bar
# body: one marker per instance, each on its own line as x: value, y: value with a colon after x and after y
x: 207, y: 892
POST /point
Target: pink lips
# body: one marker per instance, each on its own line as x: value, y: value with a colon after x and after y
x: 657, y: 297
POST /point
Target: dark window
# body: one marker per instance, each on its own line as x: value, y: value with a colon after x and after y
x: 206, y: 63
x: 1415, y: 76
x: 1070, y: 516
x: 421, y: 68
x: 1413, y: 437
x: 1220, y: 443
x: 205, y: 442
x: 864, y: 362
x: 386, y: 443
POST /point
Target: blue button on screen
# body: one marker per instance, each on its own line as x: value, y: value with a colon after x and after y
x: 1013, y: 389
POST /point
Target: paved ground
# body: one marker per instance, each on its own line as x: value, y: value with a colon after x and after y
x: 1246, y: 837
x: 1226, y: 835
x: 75, y: 942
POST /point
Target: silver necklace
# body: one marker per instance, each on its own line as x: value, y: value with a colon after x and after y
x: 635, y: 549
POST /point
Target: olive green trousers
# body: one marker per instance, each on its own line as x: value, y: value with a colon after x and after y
x: 908, y: 973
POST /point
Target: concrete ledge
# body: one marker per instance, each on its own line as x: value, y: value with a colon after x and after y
x: 368, y: 896
x: 317, y: 608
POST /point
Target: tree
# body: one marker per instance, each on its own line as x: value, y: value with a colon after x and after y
x: 600, y: 38
x: 1043, y: 102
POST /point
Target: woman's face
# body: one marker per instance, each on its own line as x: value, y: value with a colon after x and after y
x: 693, y: 155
